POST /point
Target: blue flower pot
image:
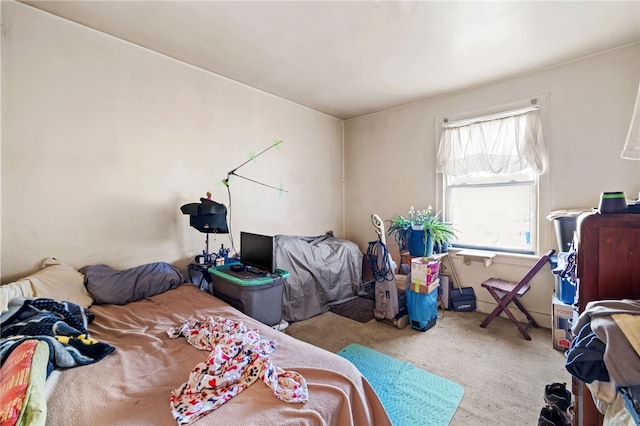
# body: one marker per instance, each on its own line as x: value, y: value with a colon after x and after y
x: 417, y: 244
x: 440, y: 248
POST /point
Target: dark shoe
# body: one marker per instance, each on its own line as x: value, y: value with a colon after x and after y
x: 558, y: 395
x: 569, y: 414
x: 551, y: 415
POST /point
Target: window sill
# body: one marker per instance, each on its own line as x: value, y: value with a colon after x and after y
x: 489, y: 257
x: 469, y: 255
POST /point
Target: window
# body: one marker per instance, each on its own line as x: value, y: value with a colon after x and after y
x: 497, y: 212
x: 490, y: 169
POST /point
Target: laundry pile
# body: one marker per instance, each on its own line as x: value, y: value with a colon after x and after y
x: 604, y: 354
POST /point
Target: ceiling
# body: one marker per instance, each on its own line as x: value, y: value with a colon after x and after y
x: 351, y: 58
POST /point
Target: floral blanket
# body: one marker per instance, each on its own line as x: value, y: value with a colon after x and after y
x: 237, y: 359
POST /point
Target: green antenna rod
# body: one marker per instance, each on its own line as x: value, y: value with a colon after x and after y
x: 253, y: 157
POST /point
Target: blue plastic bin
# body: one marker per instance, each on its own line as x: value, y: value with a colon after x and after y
x: 423, y: 309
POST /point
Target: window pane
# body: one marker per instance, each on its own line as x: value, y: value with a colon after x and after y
x: 493, y: 216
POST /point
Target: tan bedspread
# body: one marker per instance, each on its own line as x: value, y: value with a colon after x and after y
x: 132, y: 385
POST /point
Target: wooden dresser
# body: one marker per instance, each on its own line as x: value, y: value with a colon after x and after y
x: 608, y: 267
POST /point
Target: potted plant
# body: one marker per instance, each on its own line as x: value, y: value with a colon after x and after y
x: 400, y: 229
x: 420, y: 231
x: 442, y: 233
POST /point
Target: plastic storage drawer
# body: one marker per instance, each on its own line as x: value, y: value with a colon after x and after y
x: 260, y: 298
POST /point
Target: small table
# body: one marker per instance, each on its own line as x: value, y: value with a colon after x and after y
x: 205, y: 275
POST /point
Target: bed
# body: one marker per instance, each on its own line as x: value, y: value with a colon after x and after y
x: 133, y: 384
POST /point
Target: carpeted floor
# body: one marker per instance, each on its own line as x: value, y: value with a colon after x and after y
x: 502, y: 374
x: 410, y: 395
x: 359, y: 309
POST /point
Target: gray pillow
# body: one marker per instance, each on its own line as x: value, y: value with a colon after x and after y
x: 108, y: 285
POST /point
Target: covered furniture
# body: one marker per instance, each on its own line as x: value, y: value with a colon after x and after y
x: 504, y: 292
x: 324, y: 270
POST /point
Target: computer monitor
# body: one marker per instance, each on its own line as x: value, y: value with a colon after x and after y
x: 257, y: 250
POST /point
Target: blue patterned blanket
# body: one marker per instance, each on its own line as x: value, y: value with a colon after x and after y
x: 63, y: 325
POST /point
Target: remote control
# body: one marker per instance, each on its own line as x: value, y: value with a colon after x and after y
x: 254, y: 270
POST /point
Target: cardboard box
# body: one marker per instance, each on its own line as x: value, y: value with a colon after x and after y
x: 424, y: 270
x: 563, y: 317
x: 401, y: 282
x: 424, y: 289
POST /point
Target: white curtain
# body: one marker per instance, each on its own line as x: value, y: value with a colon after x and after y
x: 631, y: 150
x: 501, y: 146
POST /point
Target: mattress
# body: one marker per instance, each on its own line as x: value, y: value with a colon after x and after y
x: 132, y: 385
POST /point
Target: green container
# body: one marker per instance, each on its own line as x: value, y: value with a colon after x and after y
x: 250, y: 280
x: 259, y: 297
x: 613, y: 203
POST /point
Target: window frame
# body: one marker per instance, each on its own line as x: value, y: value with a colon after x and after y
x: 544, y: 233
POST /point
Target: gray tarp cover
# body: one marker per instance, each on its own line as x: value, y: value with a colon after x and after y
x: 323, y: 270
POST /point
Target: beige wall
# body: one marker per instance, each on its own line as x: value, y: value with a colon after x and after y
x: 103, y: 141
x: 390, y: 156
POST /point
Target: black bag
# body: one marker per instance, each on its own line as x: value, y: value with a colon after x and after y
x: 463, y: 299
